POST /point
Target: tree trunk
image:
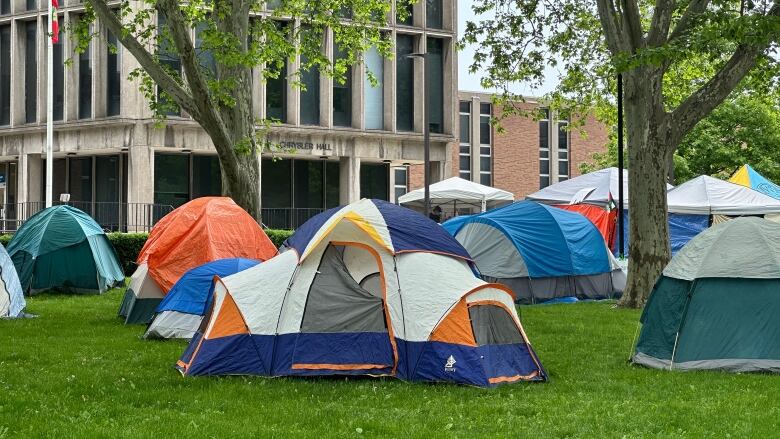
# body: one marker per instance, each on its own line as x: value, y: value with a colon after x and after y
x: 649, y: 143
x: 242, y: 183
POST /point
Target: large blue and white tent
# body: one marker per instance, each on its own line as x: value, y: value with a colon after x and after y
x: 181, y: 311
x: 539, y: 251
x: 11, y: 296
x: 366, y: 289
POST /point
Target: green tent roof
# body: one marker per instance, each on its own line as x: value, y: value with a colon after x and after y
x: 747, y: 248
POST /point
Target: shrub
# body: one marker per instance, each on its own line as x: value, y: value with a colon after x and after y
x: 128, y: 245
x: 278, y: 236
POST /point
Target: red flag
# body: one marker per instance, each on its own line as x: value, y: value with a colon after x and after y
x: 55, y: 25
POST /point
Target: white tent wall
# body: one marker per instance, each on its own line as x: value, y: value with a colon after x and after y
x: 5, y: 301
x: 705, y: 195
x: 259, y: 299
x: 434, y: 284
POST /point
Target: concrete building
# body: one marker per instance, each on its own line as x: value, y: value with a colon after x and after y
x: 529, y: 155
x: 343, y: 141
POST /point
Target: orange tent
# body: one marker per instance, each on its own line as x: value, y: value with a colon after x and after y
x: 203, y: 230
x: 604, y: 220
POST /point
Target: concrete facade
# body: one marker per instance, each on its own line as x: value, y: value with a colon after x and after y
x: 133, y: 136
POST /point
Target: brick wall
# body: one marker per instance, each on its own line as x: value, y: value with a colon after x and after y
x: 595, y: 139
x: 516, y: 153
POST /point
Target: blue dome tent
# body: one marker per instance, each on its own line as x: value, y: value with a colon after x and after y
x: 540, y: 252
x: 181, y: 311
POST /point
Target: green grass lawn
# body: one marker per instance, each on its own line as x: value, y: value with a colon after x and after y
x: 76, y: 371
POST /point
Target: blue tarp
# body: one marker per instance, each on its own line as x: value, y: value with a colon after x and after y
x: 191, y: 293
x: 682, y: 228
x: 553, y: 242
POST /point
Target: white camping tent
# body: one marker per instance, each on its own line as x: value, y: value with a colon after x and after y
x: 705, y: 195
x: 598, y: 187
x: 456, y: 192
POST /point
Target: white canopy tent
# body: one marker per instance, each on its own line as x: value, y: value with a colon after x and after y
x: 705, y: 195
x: 598, y: 187
x: 458, y: 192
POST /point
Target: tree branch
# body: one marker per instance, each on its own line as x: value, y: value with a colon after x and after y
x: 662, y: 20
x: 206, y: 112
x: 146, y: 59
x: 633, y: 23
x: 699, y: 104
x: 695, y: 7
x: 610, y: 18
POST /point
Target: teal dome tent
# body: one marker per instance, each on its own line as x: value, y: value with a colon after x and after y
x: 63, y: 248
x: 716, y: 305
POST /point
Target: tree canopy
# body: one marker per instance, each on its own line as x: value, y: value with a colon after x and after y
x: 679, y: 59
x: 203, y: 57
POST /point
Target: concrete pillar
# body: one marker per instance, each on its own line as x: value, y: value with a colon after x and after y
x: 326, y: 84
x: 349, y: 179
x: 18, y: 44
x: 140, y: 178
x: 474, y: 146
x: 21, y: 179
x: 35, y: 172
x: 553, y: 136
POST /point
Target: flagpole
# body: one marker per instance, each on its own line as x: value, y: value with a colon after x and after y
x: 49, y: 106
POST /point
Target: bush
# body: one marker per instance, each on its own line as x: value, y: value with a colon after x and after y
x: 278, y: 236
x: 128, y: 245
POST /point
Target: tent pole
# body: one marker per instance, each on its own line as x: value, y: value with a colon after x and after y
x: 674, y: 350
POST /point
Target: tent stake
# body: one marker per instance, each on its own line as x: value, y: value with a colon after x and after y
x: 633, y: 343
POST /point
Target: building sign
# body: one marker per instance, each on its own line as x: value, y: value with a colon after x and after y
x: 305, y: 146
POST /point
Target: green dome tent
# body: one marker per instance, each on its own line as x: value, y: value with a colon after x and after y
x: 63, y: 248
x: 716, y: 304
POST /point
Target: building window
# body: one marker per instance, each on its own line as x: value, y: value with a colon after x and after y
x: 342, y: 93
x: 563, y: 150
x: 375, y: 181
x: 401, y: 185
x: 5, y: 75
x: 171, y: 179
x: 485, y: 149
x: 407, y: 16
x: 80, y: 179
x: 169, y: 58
x: 5, y: 7
x: 179, y: 178
x: 464, y: 168
x: 85, y: 84
x: 310, y: 94
x: 404, y: 101
x: 374, y: 93
x: 434, y: 14
x: 205, y: 56
x: 276, y: 173
x: 206, y: 176
x: 31, y: 5
x: 30, y: 73
x: 273, y: 4
x: 544, y: 150
x: 435, y: 84
x: 113, y: 76
x: 59, y: 78
x: 276, y: 87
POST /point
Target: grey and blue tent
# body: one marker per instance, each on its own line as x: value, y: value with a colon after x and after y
x: 11, y: 297
x: 717, y: 303
x: 539, y: 251
x: 63, y: 248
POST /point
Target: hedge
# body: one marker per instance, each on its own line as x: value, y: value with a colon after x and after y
x: 128, y: 245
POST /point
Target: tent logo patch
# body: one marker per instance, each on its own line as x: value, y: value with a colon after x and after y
x: 449, y: 366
